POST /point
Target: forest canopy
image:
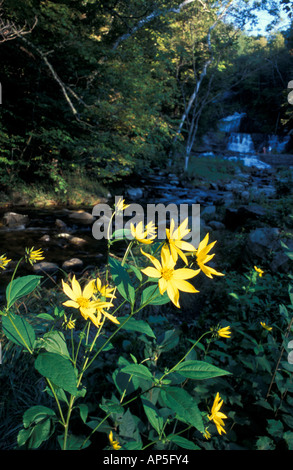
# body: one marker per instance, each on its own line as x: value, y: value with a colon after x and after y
x: 116, y: 87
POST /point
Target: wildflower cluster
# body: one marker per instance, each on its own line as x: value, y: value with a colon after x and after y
x: 173, y: 280
x: 90, y: 301
x: 169, y: 266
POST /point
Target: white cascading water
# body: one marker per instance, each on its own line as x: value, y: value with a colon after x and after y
x: 240, y: 143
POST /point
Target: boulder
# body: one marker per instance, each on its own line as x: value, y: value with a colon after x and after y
x: 238, y: 217
x: 262, y: 241
x: 77, y: 241
x: 72, y: 264
x: 216, y: 225
x: 134, y: 193
x: 45, y: 266
x: 45, y: 238
x: 12, y: 219
x: 60, y: 224
x: 82, y: 217
x: 264, y: 246
x: 208, y: 211
x: 235, y: 187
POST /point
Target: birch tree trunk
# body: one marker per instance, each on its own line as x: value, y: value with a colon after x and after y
x: 193, y: 108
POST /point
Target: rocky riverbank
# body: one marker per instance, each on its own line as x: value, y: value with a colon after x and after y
x: 250, y: 206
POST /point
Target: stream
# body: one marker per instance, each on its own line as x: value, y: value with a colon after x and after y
x: 66, y: 235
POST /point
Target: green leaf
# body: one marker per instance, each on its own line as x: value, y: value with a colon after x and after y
x: 288, y: 436
x: 37, y: 413
x: 36, y: 435
x: 135, y: 270
x: 182, y: 442
x: 73, y: 442
x: 121, y: 280
x: 275, y: 428
x: 199, y: 370
x: 168, y: 340
x: 18, y: 330
x: 20, y: 287
x: 138, y: 370
x: 184, y: 405
x: 151, y: 296
x: 153, y: 415
x: 137, y: 325
x: 46, y: 316
x: 83, y: 409
x: 38, y: 422
x: 55, y: 342
x: 57, y: 369
x: 265, y: 443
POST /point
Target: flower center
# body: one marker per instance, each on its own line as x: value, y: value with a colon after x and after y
x: 167, y: 273
x: 83, y: 302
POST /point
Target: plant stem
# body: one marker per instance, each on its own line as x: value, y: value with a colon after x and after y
x: 185, y: 355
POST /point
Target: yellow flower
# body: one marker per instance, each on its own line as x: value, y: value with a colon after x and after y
x: 4, y: 261
x: 259, y: 271
x: 89, y: 307
x: 175, y: 242
x: 103, y: 290
x: 266, y: 327
x: 224, y: 332
x: 120, y: 206
x: 202, y: 257
x: 207, y: 434
x: 170, y: 280
x: 216, y: 415
x: 114, y: 444
x: 68, y: 324
x: 79, y: 299
x: 142, y: 235
x: 32, y: 256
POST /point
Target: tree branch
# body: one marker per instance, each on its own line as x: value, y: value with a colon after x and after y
x: 9, y: 31
x: 150, y: 17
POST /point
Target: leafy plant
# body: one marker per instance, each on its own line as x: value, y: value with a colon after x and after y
x: 145, y: 396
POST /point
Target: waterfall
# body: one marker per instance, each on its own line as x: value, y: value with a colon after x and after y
x: 231, y: 123
x: 240, y: 143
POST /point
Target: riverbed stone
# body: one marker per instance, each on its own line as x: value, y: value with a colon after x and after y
x: 72, y: 264
x: 82, y: 217
x: 216, y: 225
x: 45, y: 266
x: 77, y: 241
x: 13, y: 219
x: 134, y: 193
x: 60, y: 224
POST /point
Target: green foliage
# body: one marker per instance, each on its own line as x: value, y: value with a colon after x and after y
x: 145, y: 391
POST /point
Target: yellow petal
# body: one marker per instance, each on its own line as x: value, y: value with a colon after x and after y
x: 88, y: 290
x: 68, y: 291
x: 173, y: 293
x: 162, y: 285
x: 154, y: 260
x: 203, y: 243
x: 76, y: 287
x: 185, y: 273
x: 184, y: 245
x: 185, y: 286
x: 111, y: 317
x: 71, y: 303
x: 151, y: 272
